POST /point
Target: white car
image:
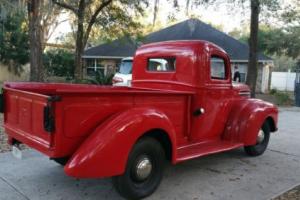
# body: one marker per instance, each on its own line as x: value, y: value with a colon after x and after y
x: 124, y: 76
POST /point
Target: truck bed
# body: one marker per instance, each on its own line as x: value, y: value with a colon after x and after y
x: 56, y: 118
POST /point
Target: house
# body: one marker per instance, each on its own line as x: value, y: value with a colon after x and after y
x: 106, y: 57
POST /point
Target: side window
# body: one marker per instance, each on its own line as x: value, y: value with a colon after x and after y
x: 217, y: 68
x: 161, y: 64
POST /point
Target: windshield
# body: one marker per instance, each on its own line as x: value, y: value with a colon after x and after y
x: 126, y: 67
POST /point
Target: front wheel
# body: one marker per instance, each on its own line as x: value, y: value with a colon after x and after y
x: 262, y: 141
x: 144, y: 170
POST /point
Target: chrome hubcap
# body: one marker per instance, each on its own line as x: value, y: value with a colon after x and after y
x: 260, y: 136
x: 143, y: 168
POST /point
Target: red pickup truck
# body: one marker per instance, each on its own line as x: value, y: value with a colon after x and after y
x: 182, y: 105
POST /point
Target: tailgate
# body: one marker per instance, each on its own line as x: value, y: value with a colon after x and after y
x: 28, y: 118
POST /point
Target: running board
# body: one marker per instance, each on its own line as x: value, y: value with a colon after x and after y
x: 204, y: 148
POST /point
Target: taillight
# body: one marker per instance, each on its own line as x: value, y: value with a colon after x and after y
x: 117, y: 80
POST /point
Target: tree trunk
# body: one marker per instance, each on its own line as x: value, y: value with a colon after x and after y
x: 253, y: 46
x: 155, y: 12
x: 35, y: 32
x: 78, y: 74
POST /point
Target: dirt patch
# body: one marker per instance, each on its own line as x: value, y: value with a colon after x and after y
x: 278, y: 98
x: 291, y: 194
x: 4, y: 147
x: 266, y: 97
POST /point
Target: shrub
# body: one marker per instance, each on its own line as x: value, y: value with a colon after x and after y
x: 273, y: 91
x: 59, y: 62
x: 100, y: 79
x: 282, y: 98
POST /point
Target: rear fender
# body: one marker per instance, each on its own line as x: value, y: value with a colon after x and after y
x: 246, y: 118
x: 105, y: 151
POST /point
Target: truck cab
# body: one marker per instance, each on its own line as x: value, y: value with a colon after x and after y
x: 201, y: 68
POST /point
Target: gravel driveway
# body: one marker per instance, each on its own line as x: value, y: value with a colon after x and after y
x: 226, y: 176
x: 4, y: 147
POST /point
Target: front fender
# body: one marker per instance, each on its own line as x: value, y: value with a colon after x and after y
x: 105, y: 151
x: 246, y: 118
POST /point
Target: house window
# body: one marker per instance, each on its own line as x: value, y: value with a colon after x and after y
x: 243, y: 77
x: 93, y: 66
x: 217, y: 68
x: 161, y: 64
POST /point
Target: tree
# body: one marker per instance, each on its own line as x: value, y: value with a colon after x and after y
x: 34, y: 8
x: 155, y: 12
x: 14, y: 41
x: 253, y: 43
x: 256, y: 6
x: 49, y: 21
x: 39, y: 24
x: 59, y: 62
x: 90, y: 12
x: 42, y: 16
x: 275, y: 41
x: 291, y: 20
x: 281, y: 41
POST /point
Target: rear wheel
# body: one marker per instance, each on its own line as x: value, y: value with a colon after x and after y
x: 144, y: 170
x: 262, y: 142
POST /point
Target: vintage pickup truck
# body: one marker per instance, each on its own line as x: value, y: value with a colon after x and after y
x: 182, y: 105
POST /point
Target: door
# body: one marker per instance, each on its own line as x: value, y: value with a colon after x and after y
x: 212, y: 103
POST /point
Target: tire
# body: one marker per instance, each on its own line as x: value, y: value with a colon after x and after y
x: 134, y: 185
x: 261, y: 145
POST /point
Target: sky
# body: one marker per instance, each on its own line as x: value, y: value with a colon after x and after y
x: 222, y: 14
x: 214, y: 15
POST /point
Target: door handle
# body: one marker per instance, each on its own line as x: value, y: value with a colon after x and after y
x: 199, y: 111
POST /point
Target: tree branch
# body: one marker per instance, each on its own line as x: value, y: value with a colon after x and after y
x: 64, y: 5
x: 93, y: 19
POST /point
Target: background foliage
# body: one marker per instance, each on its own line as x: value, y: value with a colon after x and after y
x: 59, y: 62
x: 14, y: 43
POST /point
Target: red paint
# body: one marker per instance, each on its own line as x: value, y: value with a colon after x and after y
x: 97, y: 126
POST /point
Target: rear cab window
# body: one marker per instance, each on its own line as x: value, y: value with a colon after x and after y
x: 161, y: 64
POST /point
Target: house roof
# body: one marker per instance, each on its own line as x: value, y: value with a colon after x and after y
x: 192, y: 29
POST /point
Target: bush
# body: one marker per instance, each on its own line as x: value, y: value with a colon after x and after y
x: 282, y: 98
x: 273, y: 91
x: 14, y: 45
x: 100, y: 79
x: 59, y: 62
